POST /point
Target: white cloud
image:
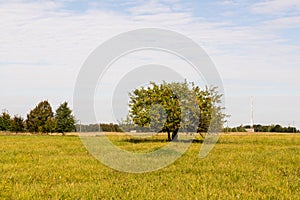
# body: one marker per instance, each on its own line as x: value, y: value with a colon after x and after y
x: 276, y: 6
x: 35, y: 33
x: 283, y: 23
x: 151, y: 7
x: 228, y: 2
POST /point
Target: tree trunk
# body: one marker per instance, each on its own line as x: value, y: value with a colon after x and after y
x: 169, y: 136
x: 201, y: 135
x: 175, y: 135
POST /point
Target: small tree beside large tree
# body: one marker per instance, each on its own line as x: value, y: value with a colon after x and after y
x: 65, y: 121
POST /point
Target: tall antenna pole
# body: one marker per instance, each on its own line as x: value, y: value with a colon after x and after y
x: 251, y: 119
x: 294, y: 126
x: 80, y: 126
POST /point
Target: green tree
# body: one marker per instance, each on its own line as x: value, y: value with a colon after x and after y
x: 38, y: 119
x: 170, y: 106
x: 211, y: 113
x: 17, y: 124
x: 65, y: 121
x: 50, y: 125
x: 144, y: 106
x: 5, y: 122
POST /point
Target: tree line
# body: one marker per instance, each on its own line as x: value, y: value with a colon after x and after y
x: 263, y: 128
x: 41, y: 119
x: 98, y: 127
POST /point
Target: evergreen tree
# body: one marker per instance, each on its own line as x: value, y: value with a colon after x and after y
x: 38, y: 118
x: 5, y: 122
x: 65, y: 121
x: 17, y: 124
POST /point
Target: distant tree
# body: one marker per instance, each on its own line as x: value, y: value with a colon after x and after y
x: 277, y: 128
x: 65, y: 121
x: 240, y: 128
x: 117, y: 128
x: 39, y: 118
x: 291, y: 130
x: 95, y: 127
x: 17, y: 124
x: 5, y: 122
x: 127, y: 125
x: 260, y: 128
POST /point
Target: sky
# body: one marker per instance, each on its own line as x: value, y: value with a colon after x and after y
x: 255, y: 46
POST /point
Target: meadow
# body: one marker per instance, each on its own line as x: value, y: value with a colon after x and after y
x: 239, y: 167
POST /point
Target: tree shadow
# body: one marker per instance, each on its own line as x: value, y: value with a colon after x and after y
x: 200, y: 141
x: 159, y: 140
x: 145, y: 140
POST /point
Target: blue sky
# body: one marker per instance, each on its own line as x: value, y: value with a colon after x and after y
x: 255, y: 46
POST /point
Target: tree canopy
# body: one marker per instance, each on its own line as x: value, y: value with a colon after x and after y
x: 168, y: 107
x: 17, y: 124
x: 5, y: 122
x: 40, y: 119
x: 65, y: 121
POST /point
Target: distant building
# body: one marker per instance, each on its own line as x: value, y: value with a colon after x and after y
x: 250, y: 130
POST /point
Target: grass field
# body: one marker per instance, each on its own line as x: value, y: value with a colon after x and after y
x: 239, y: 167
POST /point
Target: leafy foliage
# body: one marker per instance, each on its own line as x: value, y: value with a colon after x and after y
x: 169, y: 107
x: 65, y: 121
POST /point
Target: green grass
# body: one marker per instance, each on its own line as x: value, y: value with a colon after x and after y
x: 239, y: 167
